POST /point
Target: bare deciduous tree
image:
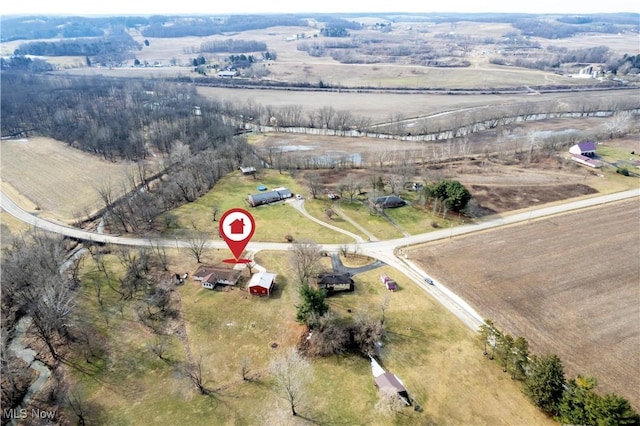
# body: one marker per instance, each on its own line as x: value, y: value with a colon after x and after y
x: 160, y: 255
x: 52, y: 314
x: 159, y: 346
x: 314, y: 181
x: 193, y: 371
x: 618, y: 124
x: 390, y: 402
x: 351, y: 185
x: 245, y: 367
x: 292, y: 374
x: 305, y: 259
x: 196, y: 245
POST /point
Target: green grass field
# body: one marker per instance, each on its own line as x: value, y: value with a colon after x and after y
x: 273, y: 222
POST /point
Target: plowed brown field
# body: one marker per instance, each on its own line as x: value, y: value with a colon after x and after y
x: 569, y: 284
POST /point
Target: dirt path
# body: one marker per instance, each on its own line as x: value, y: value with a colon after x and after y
x: 299, y: 205
x: 343, y: 215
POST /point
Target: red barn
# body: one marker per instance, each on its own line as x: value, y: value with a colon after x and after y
x: 262, y: 283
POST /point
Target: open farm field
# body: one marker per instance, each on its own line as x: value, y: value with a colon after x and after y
x: 374, y: 152
x: 568, y: 284
x: 436, y: 356
x: 382, y: 107
x: 60, y: 181
x: 621, y: 44
x: 174, y: 56
x: 496, y: 186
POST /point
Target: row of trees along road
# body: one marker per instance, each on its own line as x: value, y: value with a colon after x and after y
x: 570, y: 402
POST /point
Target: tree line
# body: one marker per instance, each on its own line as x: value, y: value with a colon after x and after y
x: 186, y: 177
x: 205, y: 26
x: 113, y: 118
x: 233, y: 46
x: 536, y: 27
x: 115, y: 43
x: 569, y: 401
x: 46, y: 27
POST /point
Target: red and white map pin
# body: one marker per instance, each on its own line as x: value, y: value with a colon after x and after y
x: 236, y: 228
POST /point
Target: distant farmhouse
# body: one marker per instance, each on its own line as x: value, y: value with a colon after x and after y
x: 212, y: 276
x: 333, y: 282
x: 586, y: 148
x: 583, y: 153
x: 389, y: 201
x: 227, y: 74
x: 277, y: 194
x: 248, y: 170
x: 262, y: 283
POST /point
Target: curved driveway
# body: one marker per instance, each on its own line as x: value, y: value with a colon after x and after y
x: 381, y: 250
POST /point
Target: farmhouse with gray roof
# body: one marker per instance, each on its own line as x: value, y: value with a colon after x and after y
x: 268, y: 197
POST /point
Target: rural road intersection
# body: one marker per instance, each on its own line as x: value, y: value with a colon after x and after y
x: 385, y: 251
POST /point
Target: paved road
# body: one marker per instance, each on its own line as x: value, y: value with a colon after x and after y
x: 381, y: 250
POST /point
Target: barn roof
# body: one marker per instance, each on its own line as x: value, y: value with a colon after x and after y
x: 262, y: 279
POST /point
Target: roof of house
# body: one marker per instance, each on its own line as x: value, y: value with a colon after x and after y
x: 389, y: 380
x: 262, y: 279
x: 284, y: 192
x: 376, y: 369
x: 389, y: 200
x: 265, y: 196
x: 587, y: 146
x: 586, y: 160
x: 249, y: 169
x: 274, y: 194
x: 215, y: 274
x: 333, y: 278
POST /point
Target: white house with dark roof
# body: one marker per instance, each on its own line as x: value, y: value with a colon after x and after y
x: 585, y: 148
x: 211, y: 276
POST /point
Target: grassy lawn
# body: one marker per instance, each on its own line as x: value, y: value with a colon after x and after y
x: 10, y: 227
x: 317, y: 209
x: 619, y: 156
x: 415, y: 219
x: 376, y: 224
x: 273, y: 222
x: 437, y: 358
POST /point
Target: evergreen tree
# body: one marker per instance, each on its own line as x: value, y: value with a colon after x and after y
x: 572, y: 407
x: 505, y: 346
x: 313, y: 305
x: 545, y: 383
